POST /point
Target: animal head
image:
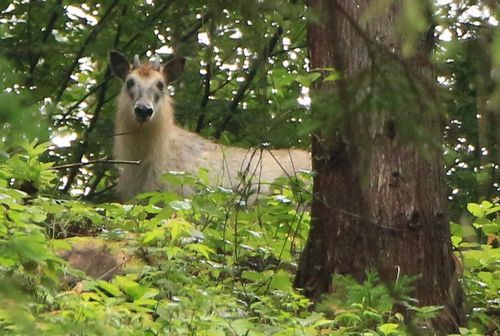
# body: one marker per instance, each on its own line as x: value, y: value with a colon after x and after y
x: 144, y: 84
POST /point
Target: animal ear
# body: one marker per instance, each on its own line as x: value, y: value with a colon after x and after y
x: 173, y: 69
x: 119, y: 64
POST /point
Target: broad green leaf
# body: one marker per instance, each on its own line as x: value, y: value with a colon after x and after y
x: 252, y: 276
x: 110, y: 288
x: 486, y: 277
x: 486, y: 205
x: 204, y: 250
x: 455, y: 240
x: 456, y: 229
x: 130, y: 287
x: 476, y: 210
x: 60, y: 244
x: 333, y: 76
x: 348, y: 318
x: 91, y: 296
x: 179, y: 226
x: 242, y: 326
x: 388, y: 328
x: 173, y: 251
x: 152, y: 236
x: 492, y: 210
x: 322, y: 322
x: 490, y: 228
x: 307, y: 79
x: 373, y: 315
x: 281, y: 281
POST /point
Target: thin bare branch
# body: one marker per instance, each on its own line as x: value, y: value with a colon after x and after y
x: 93, y: 33
x: 93, y: 162
x: 240, y: 94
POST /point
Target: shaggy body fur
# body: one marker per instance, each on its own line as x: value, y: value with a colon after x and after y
x: 162, y: 146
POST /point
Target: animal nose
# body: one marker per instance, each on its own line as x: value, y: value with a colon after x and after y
x: 143, y: 112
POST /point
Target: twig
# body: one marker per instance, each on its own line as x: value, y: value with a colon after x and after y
x: 84, y: 97
x: 48, y: 32
x: 96, y: 29
x: 80, y: 151
x: 101, y: 161
x: 240, y: 94
x: 204, y: 100
x: 195, y: 28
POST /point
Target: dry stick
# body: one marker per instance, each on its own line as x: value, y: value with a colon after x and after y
x: 92, y: 162
x: 240, y: 94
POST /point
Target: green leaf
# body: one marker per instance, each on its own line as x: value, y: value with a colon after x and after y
x: 486, y: 277
x: 388, y: 328
x: 146, y: 302
x: 456, y: 229
x: 321, y: 323
x: 179, y: 226
x: 252, y: 276
x: 204, y: 250
x: 60, y: 244
x: 173, y: 251
x: 490, y: 228
x: 476, y: 210
x: 348, y: 318
x: 486, y: 205
x: 492, y: 210
x: 281, y: 281
x: 307, y: 79
x: 109, y: 288
x: 373, y: 315
x: 130, y: 287
x: 152, y: 236
x: 455, y: 240
x: 334, y: 76
x: 242, y: 326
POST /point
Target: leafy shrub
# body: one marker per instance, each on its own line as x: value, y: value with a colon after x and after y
x: 209, y: 265
x: 477, y: 248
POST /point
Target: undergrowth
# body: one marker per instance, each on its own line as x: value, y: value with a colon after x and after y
x: 208, y: 265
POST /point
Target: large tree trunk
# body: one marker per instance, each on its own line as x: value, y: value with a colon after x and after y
x: 379, y: 197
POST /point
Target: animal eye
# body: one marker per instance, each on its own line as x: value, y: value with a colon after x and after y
x: 160, y: 86
x: 130, y: 83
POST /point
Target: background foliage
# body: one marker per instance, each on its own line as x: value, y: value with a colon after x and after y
x: 209, y: 268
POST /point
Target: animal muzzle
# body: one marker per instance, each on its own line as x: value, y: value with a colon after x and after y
x: 143, y: 112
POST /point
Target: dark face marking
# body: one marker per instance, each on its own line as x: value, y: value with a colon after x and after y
x: 159, y: 90
x: 160, y: 85
x: 130, y: 83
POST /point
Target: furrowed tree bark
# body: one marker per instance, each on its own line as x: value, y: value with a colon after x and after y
x: 379, y: 199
